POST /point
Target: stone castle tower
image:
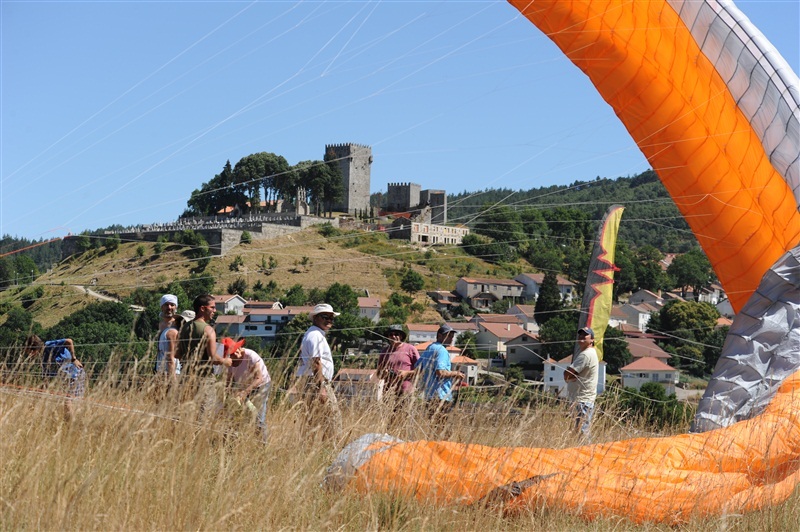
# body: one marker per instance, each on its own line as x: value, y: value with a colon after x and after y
x: 402, y: 197
x: 354, y: 161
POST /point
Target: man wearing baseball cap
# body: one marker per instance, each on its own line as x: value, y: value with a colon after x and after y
x: 581, y: 379
x: 316, y: 371
x: 248, y: 379
x: 437, y: 376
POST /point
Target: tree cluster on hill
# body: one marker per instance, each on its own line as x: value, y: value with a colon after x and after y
x: 658, y: 223
x: 23, y: 267
x: 242, y: 185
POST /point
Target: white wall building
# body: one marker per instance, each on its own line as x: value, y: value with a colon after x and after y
x: 533, y: 281
x: 649, y: 369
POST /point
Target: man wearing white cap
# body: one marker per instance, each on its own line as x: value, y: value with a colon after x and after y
x: 316, y: 371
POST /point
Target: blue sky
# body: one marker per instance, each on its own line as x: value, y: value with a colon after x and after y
x: 113, y: 112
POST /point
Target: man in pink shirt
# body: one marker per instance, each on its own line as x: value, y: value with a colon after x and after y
x: 396, y: 368
x: 248, y: 379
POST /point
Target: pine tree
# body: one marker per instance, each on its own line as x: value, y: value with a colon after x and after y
x: 549, y: 301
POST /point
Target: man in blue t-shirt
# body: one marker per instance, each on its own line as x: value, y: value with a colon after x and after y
x: 437, y: 377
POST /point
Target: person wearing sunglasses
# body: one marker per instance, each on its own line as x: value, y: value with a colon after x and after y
x: 315, y: 373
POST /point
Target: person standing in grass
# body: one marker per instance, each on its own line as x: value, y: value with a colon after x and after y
x: 581, y: 378
x: 167, y: 362
x: 60, y: 365
x: 438, y: 377
x: 249, y: 380
x: 197, y: 349
x: 316, y: 371
x: 396, y: 367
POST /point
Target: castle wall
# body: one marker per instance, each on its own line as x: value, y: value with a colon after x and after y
x: 355, y: 161
x: 221, y: 235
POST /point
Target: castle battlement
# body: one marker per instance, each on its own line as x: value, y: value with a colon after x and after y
x: 347, y: 145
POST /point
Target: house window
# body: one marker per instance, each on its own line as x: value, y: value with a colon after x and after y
x: 513, y: 351
x: 551, y: 379
x: 250, y: 328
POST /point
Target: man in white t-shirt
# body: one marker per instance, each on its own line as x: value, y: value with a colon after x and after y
x: 581, y: 379
x: 316, y: 371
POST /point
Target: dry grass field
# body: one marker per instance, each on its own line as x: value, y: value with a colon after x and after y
x: 127, y: 461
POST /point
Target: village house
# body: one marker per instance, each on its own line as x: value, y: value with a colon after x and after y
x: 649, y: 369
x: 524, y: 350
x: 554, y: 376
x: 370, y: 308
x: 466, y: 365
x: 533, y: 281
x: 229, y: 304
x: 525, y: 315
x: 638, y: 315
x: 264, y: 323
x: 493, y: 336
x: 481, y: 293
x: 444, y: 300
x: 461, y: 327
x: 426, y: 233
x: 617, y: 318
x: 421, y: 332
x: 646, y: 296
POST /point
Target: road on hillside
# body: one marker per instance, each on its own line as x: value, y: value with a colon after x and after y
x: 103, y: 297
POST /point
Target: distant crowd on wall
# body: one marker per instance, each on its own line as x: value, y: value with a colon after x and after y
x: 208, y: 222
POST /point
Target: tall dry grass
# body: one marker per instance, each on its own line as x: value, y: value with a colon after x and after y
x: 131, y: 461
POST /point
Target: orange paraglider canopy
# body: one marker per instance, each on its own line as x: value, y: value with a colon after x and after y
x: 710, y: 151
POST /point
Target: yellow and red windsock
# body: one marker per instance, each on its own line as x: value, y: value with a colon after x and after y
x: 598, y: 293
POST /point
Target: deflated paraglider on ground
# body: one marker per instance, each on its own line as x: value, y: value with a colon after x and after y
x: 715, y: 109
x: 747, y: 466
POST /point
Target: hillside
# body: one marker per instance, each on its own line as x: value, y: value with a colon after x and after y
x: 367, y: 261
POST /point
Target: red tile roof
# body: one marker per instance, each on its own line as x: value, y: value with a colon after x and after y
x: 481, y: 280
x: 647, y: 364
x: 422, y: 327
x: 497, y: 318
x: 503, y: 331
x: 645, y: 347
x: 369, y: 302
